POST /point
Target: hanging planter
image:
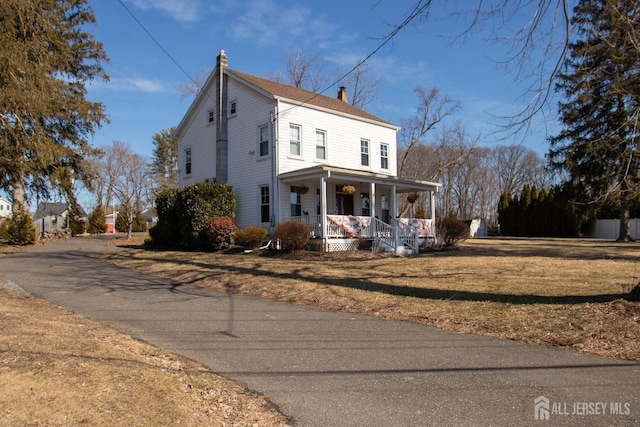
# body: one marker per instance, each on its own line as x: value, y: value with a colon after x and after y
x: 412, y: 197
x: 349, y: 189
x: 303, y: 189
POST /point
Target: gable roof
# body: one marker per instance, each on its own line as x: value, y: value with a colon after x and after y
x: 45, y: 209
x: 304, y: 97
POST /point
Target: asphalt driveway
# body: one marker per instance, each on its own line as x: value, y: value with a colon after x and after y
x: 325, y: 368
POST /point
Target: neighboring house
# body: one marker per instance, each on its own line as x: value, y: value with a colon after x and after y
x: 110, y: 221
x: 293, y: 154
x: 150, y: 217
x: 6, y: 207
x: 53, y: 216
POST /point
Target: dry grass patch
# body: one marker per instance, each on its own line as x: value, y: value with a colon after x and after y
x: 563, y: 292
x: 60, y: 369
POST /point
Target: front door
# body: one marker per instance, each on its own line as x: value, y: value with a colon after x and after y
x: 344, y: 204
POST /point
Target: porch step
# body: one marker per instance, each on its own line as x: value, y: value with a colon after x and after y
x: 404, y: 250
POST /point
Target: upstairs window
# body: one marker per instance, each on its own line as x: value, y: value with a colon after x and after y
x: 232, y: 108
x: 263, y: 148
x: 295, y: 135
x: 321, y: 145
x: 384, y: 156
x: 211, y: 115
x: 364, y: 152
x: 187, y: 162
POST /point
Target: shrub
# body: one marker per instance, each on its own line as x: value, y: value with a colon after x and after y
x: 219, y: 232
x: 19, y: 228
x: 77, y: 226
x: 97, y: 221
x: 167, y: 230
x: 250, y: 237
x: 196, y: 203
x: 122, y: 222
x: 293, y: 235
x: 452, y: 231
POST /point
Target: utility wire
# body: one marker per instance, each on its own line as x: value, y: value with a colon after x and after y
x: 157, y: 43
x: 416, y: 12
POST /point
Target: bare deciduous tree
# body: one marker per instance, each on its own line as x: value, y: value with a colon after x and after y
x: 363, y: 85
x: 125, y: 177
x: 195, y: 85
x: 536, y: 34
x: 515, y: 166
x: 432, y: 109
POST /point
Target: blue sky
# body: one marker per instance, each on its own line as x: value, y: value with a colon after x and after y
x: 143, y: 96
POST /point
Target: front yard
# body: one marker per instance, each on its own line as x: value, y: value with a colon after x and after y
x: 561, y: 292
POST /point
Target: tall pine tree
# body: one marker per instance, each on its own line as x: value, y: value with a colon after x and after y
x: 164, y: 164
x: 46, y: 58
x: 599, y: 144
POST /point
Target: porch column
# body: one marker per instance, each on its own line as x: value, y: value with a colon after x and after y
x: 433, y: 213
x: 394, y: 213
x: 323, y: 212
x: 372, y: 200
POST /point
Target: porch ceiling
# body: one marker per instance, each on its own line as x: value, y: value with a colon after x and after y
x: 332, y: 173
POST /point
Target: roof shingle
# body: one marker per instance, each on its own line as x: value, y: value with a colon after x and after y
x: 303, y: 96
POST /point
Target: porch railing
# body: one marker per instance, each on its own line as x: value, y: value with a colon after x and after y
x: 407, y: 232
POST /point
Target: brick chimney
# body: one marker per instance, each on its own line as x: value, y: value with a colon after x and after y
x: 222, y: 59
x: 342, y: 94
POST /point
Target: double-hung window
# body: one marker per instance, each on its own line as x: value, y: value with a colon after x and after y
x: 264, y: 204
x: 364, y: 152
x: 296, y: 203
x: 295, y: 140
x: 187, y: 162
x: 384, y: 156
x: 264, y: 140
x: 321, y: 145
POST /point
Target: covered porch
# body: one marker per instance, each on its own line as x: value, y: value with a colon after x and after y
x: 348, y: 208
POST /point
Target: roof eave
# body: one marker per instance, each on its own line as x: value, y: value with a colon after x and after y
x: 337, y: 113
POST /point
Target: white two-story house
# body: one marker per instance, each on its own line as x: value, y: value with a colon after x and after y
x: 294, y: 154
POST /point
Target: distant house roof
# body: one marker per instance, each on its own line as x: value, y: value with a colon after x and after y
x: 54, y: 209
x: 304, y: 97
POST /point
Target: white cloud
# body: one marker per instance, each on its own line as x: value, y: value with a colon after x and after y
x: 131, y: 84
x: 268, y: 23
x: 180, y: 10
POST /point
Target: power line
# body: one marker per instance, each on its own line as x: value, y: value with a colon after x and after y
x: 418, y: 10
x: 158, y: 43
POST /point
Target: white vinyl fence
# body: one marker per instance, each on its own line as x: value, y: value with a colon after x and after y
x: 610, y: 229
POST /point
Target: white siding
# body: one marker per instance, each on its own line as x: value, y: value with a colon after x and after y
x: 343, y: 140
x: 247, y: 170
x: 200, y: 138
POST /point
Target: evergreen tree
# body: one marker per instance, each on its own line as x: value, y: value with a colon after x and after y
x: 97, y: 221
x: 164, y: 165
x: 46, y: 58
x: 599, y: 143
x: 19, y: 228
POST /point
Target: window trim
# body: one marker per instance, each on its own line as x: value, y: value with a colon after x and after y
x: 262, y: 203
x: 384, y: 157
x: 299, y: 141
x: 298, y: 202
x: 188, y: 161
x: 324, y: 146
x: 260, y: 141
x: 365, y: 143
